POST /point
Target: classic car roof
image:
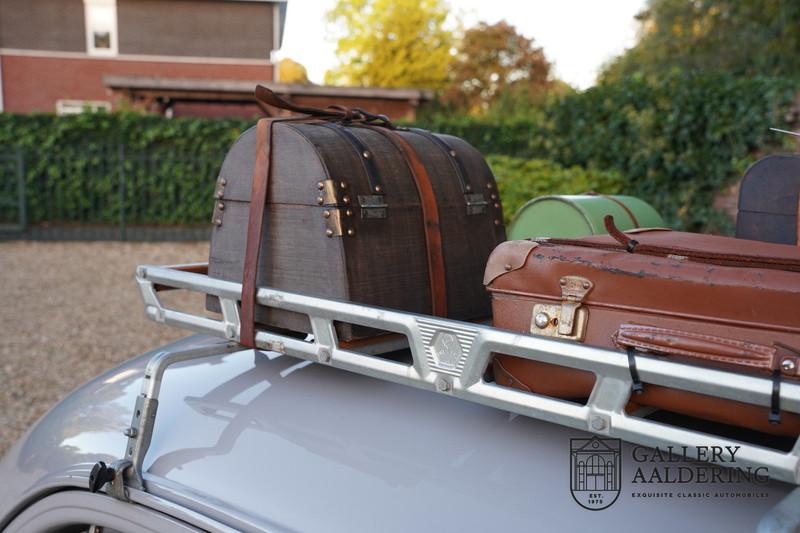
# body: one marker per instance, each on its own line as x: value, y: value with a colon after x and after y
x: 262, y: 441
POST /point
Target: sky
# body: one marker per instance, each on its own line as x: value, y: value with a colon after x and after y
x: 578, y: 36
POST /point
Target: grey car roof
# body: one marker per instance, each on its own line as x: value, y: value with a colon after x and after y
x: 267, y: 442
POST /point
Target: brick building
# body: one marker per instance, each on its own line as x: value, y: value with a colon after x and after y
x: 177, y: 57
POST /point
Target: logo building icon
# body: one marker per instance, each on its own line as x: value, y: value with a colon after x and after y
x: 595, y: 471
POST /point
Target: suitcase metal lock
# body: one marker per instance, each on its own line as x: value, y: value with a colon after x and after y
x: 567, y: 320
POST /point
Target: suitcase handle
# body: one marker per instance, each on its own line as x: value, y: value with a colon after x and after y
x: 708, y: 348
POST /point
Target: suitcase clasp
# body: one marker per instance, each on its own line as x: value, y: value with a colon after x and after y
x: 568, y: 320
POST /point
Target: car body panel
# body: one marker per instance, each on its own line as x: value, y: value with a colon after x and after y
x: 260, y: 441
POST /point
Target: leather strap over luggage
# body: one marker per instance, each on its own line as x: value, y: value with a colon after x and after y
x: 255, y: 226
x: 624, y: 242
x: 430, y: 211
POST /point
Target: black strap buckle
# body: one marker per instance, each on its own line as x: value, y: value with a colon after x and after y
x: 638, y: 386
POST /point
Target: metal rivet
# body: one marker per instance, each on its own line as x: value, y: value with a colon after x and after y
x: 489, y: 185
x: 378, y: 188
x: 586, y: 285
x: 324, y: 355
x: 220, y: 194
x: 320, y: 200
x: 468, y: 188
x: 130, y: 433
x: 541, y: 320
x: 329, y: 233
x: 442, y: 385
x: 563, y: 281
x: 365, y: 154
x: 343, y: 185
x: 346, y: 199
x: 221, y: 206
x: 326, y: 214
x: 349, y: 212
x: 788, y: 365
x: 497, y: 222
x: 223, y: 182
x: 494, y: 196
x: 320, y: 185
x: 497, y: 206
x: 598, y: 423
x: 217, y: 222
x: 351, y: 232
x: 453, y: 153
x: 507, y: 266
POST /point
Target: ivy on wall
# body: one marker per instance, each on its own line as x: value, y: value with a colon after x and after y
x: 675, y: 142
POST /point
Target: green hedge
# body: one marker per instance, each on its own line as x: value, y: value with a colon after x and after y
x: 520, y: 179
x: 84, y: 168
x: 674, y: 142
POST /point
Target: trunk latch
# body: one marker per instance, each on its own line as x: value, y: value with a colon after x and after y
x: 568, y: 320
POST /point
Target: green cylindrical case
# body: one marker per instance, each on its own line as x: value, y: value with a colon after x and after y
x: 571, y: 216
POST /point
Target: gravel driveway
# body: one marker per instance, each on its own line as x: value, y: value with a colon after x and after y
x: 69, y: 311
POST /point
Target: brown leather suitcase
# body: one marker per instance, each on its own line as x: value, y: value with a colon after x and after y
x: 341, y: 204
x: 769, y: 200
x: 701, y: 299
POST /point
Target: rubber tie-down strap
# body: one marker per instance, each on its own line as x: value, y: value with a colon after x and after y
x: 775, y: 404
x: 638, y: 386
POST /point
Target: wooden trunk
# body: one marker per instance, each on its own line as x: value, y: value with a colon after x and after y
x: 344, y: 220
x: 769, y: 200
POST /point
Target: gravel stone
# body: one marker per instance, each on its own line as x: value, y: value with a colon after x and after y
x: 70, y: 311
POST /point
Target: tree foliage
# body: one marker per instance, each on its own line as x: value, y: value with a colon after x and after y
x: 391, y: 43
x: 739, y: 37
x: 677, y: 140
x: 290, y: 71
x: 495, y: 64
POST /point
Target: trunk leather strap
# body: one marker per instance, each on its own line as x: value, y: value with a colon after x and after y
x: 255, y: 224
x: 255, y: 227
x: 797, y: 222
x: 430, y: 212
x: 626, y: 243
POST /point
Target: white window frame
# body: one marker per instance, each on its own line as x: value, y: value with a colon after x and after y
x: 74, y: 107
x: 101, y: 16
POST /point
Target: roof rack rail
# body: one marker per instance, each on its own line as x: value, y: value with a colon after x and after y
x: 450, y: 357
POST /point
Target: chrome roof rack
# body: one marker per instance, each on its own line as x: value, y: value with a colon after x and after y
x: 448, y: 357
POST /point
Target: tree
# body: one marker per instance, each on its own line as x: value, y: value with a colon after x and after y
x: 290, y: 71
x: 496, y: 65
x: 391, y: 43
x: 740, y: 37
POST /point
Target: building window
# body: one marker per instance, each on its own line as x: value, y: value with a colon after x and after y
x: 73, y: 107
x: 101, y: 27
